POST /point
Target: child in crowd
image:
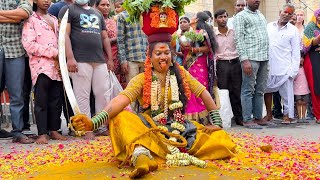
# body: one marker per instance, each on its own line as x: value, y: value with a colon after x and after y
x: 118, y: 6
x: 301, y: 94
x: 40, y: 40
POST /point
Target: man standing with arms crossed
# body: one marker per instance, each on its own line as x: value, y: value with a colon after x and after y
x: 252, y: 44
x: 12, y: 59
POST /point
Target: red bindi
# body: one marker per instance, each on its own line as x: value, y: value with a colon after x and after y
x: 289, y: 10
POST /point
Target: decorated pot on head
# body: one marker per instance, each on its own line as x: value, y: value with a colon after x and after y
x: 159, y: 23
x: 159, y: 19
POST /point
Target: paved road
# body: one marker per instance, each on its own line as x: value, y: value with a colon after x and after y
x: 309, y: 132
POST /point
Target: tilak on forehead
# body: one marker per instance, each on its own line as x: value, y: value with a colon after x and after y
x: 289, y: 10
x: 163, y: 46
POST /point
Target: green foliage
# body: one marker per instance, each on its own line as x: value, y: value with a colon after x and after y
x: 136, y: 7
x: 111, y: 14
x: 174, y: 37
x: 194, y: 37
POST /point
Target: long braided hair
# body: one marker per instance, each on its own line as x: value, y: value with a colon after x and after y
x: 201, y: 24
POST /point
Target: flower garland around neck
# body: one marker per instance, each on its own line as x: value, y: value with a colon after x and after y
x: 148, y: 80
x: 160, y: 117
x: 175, y: 158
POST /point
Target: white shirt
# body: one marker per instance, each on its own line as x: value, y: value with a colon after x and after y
x: 284, y: 49
x: 230, y: 22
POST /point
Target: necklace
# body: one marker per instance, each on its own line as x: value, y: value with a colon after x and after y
x: 176, y: 157
x: 161, y: 77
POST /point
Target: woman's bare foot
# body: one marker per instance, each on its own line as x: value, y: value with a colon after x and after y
x: 143, y: 165
x: 57, y: 136
x: 42, y: 139
x: 89, y: 136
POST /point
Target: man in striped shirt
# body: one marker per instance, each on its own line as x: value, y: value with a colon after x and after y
x: 252, y: 44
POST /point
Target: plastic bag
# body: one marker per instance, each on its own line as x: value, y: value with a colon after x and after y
x: 216, y: 96
x: 225, y: 108
x: 115, y: 89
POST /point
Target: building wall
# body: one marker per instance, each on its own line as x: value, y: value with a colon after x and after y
x: 199, y: 5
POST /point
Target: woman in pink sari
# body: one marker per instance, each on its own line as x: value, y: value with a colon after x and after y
x: 198, y: 60
x: 104, y: 7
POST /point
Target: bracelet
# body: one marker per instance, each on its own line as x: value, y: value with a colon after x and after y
x: 99, y: 119
x: 214, y: 118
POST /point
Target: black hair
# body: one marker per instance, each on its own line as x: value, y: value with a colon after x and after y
x: 201, y: 24
x: 91, y: 3
x: 34, y: 7
x: 208, y: 13
x: 219, y: 12
x: 97, y: 3
x: 119, y: 1
x: 176, y: 69
x: 185, y: 18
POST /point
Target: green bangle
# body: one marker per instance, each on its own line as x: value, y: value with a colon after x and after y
x: 99, y: 119
x: 214, y: 118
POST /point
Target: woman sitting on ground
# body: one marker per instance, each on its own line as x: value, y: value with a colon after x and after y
x: 160, y: 133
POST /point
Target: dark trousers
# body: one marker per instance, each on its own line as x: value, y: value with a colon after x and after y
x: 67, y: 109
x: 229, y: 76
x: 277, y: 107
x: 48, y: 104
x: 26, y: 95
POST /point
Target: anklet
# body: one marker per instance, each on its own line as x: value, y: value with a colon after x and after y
x: 137, y: 152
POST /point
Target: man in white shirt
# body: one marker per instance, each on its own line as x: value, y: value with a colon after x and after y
x: 238, y: 7
x: 284, y: 60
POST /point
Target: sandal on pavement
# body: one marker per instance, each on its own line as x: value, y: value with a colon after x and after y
x: 271, y: 124
x: 30, y: 134
x: 253, y: 126
x: 286, y: 120
x: 264, y: 123
x: 293, y: 121
x: 23, y: 139
x: 303, y: 121
x: 318, y: 121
